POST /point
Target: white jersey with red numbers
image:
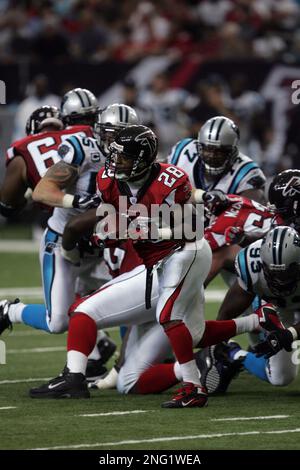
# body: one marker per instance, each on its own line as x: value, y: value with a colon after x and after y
x: 166, y: 184
x: 39, y: 151
x: 253, y: 218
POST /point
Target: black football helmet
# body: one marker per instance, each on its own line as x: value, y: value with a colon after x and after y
x: 284, y: 195
x: 42, y: 117
x: 132, y: 153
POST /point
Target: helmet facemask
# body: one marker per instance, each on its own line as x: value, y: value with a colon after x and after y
x: 83, y: 119
x: 216, y: 158
x: 282, y: 281
x: 106, y: 134
x: 123, y: 166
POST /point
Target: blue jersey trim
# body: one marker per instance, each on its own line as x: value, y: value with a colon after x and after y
x: 78, y: 151
x: 179, y: 147
x: 243, y: 171
x: 243, y: 267
x: 49, y: 267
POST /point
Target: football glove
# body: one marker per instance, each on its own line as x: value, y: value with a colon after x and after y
x: 216, y: 201
x: 85, y: 202
x: 275, y: 341
x: 234, y: 235
x: 72, y: 256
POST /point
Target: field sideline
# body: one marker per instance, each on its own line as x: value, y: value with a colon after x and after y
x: 253, y: 415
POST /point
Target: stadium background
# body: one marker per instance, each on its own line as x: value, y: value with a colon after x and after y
x: 233, y: 57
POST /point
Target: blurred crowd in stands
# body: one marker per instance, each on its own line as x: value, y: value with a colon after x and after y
x: 93, y: 30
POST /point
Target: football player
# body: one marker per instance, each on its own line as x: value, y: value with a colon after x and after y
x: 28, y: 159
x: 79, y: 106
x: 81, y: 328
x: 80, y: 160
x: 270, y: 269
x: 122, y: 301
x: 214, y: 162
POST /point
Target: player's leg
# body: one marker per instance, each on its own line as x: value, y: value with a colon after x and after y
x: 180, y: 283
x: 58, y: 285
x: 125, y: 297
x: 147, y: 346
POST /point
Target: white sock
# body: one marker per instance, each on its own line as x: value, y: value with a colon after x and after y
x: 190, y: 373
x: 110, y: 381
x: 246, y: 324
x: 76, y: 362
x: 239, y: 354
x: 177, y: 371
x: 15, y: 312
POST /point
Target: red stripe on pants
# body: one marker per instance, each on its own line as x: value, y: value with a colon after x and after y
x: 166, y: 312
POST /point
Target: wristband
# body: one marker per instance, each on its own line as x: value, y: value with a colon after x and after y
x: 198, y: 196
x: 67, y: 201
x: 28, y: 194
x: 294, y: 333
x: 165, y: 233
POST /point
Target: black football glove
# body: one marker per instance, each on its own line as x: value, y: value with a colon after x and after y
x: 86, y: 202
x: 275, y: 341
x: 216, y: 201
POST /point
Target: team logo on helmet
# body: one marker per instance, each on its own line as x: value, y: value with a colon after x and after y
x: 292, y: 187
x: 144, y: 140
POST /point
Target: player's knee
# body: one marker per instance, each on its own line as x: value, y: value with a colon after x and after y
x: 58, y: 326
x: 126, y: 382
x: 283, y: 379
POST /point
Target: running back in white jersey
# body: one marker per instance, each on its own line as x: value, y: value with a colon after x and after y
x: 251, y: 278
x: 85, y: 154
x: 244, y: 174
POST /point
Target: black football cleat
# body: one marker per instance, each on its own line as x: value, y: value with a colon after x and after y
x: 217, y: 368
x: 5, y: 322
x: 188, y: 396
x: 69, y: 385
x: 106, y: 348
x: 95, y: 370
x: 209, y: 368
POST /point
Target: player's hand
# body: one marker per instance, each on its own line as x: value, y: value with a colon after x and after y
x: 234, y: 235
x: 72, y: 256
x: 85, y: 202
x: 216, y: 201
x: 142, y: 228
x: 275, y: 342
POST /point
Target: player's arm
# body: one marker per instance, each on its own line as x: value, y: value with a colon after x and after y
x: 14, y: 187
x: 240, y: 295
x: 223, y: 258
x: 77, y: 227
x: 50, y: 189
x: 277, y: 340
x: 257, y: 195
x: 236, y: 301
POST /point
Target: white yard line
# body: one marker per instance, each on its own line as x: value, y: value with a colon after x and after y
x: 36, y: 350
x: 211, y: 295
x: 20, y: 381
x: 19, y: 246
x: 7, y: 407
x: 248, y: 418
x: 22, y: 292
x: 115, y: 413
x: 169, y: 439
